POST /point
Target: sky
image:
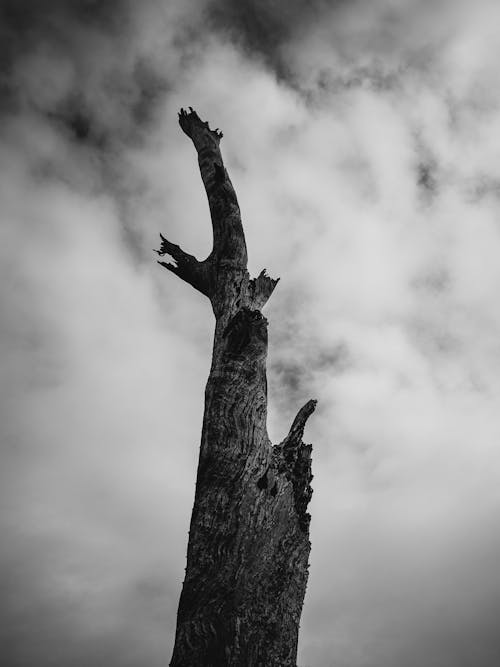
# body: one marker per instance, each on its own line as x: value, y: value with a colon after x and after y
x: 363, y: 140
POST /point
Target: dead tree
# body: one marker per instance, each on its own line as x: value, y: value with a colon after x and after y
x: 247, y: 557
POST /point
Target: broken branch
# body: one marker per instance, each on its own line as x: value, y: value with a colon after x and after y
x: 260, y: 289
x: 186, y: 267
x: 294, y: 437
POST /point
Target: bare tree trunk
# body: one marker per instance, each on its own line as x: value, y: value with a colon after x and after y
x: 247, y: 559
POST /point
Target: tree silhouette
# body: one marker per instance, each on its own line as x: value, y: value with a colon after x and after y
x: 247, y: 557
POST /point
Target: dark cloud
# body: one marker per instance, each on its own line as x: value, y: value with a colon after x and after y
x: 77, y: 64
x: 27, y: 24
x: 262, y: 27
x: 87, y: 74
x: 426, y: 176
x: 32, y: 13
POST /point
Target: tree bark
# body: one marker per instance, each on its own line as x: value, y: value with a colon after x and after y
x: 247, y: 557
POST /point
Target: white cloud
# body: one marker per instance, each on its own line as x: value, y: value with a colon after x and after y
x: 387, y: 312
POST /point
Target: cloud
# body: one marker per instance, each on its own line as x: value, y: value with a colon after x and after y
x: 262, y: 29
x: 361, y: 141
x: 84, y: 343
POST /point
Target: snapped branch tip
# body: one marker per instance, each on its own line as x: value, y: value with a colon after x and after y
x: 294, y: 437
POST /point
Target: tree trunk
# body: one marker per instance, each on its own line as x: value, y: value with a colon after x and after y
x: 247, y: 558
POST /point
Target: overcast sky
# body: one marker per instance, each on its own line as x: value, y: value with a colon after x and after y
x: 363, y: 139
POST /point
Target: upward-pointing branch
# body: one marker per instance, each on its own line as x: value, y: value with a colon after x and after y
x: 223, y: 275
x: 229, y: 239
x: 294, y: 437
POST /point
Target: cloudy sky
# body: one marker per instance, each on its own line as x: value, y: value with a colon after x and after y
x: 363, y: 139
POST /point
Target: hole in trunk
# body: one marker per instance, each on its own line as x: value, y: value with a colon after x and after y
x: 262, y: 483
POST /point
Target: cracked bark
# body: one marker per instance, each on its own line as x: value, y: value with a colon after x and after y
x: 248, y: 550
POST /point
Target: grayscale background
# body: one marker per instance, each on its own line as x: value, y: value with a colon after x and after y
x: 363, y: 140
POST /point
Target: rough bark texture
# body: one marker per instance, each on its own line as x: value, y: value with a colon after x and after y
x: 247, y: 559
